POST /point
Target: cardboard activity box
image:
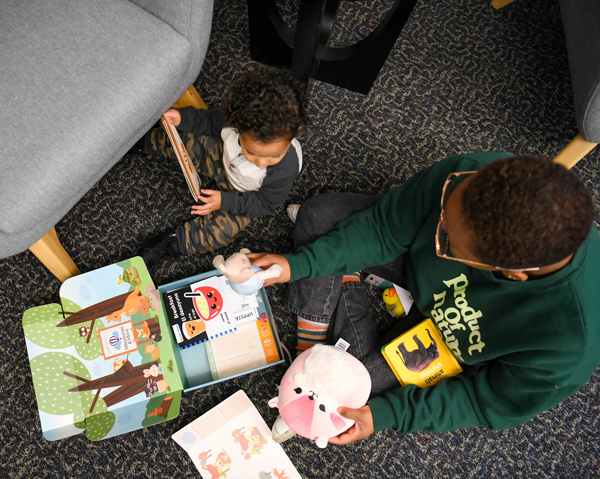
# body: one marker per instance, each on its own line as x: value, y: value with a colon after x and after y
x: 107, y: 361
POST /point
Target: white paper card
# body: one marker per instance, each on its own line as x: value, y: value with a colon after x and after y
x: 232, y: 440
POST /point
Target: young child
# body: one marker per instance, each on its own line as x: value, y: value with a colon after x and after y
x: 248, y: 148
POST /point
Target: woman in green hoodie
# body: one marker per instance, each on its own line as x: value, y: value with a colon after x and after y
x: 500, y: 251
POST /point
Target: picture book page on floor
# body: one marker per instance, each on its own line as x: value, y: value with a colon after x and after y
x: 232, y: 440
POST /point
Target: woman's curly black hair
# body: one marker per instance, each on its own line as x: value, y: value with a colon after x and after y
x: 267, y: 103
x: 526, y: 212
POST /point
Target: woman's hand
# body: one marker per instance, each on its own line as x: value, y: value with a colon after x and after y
x: 362, y: 427
x: 266, y: 260
x: 172, y: 116
x: 212, y: 202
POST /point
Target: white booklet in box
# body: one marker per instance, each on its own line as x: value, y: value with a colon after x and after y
x: 232, y: 440
x: 189, y: 170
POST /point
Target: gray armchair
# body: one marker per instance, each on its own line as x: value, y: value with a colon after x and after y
x: 81, y: 82
x: 581, y: 23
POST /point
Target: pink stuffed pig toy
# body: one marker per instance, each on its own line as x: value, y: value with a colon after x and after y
x: 319, y: 381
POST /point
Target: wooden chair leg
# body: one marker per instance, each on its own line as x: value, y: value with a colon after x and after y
x: 190, y: 98
x: 574, y: 151
x: 48, y: 248
x: 501, y: 3
x: 54, y: 257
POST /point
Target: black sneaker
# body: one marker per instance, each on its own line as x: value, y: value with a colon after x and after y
x: 156, y: 247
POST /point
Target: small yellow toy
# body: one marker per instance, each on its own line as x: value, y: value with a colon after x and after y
x: 392, y: 302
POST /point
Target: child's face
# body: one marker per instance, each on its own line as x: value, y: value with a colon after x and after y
x: 263, y: 154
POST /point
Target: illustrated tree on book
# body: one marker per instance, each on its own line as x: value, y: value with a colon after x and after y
x: 39, y: 330
x: 132, y: 276
x: 157, y: 410
x: 99, y: 426
x: 52, y: 388
x: 114, y: 308
x: 129, y: 379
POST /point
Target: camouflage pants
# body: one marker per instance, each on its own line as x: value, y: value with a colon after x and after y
x: 217, y: 229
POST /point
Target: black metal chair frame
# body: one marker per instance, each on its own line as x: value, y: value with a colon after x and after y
x: 305, y: 50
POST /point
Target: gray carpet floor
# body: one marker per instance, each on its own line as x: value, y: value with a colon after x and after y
x: 462, y: 77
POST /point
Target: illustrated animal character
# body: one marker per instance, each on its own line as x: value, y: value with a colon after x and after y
x: 194, y: 328
x: 208, y: 302
x: 243, y: 277
x: 150, y: 330
x: 158, y: 411
x: 152, y: 350
x: 320, y: 380
x: 420, y: 358
x: 392, y: 302
x: 220, y: 467
x: 119, y: 363
x: 84, y: 331
x: 125, y: 382
x: 153, y: 371
x: 250, y: 439
x: 163, y: 409
x: 135, y: 302
x: 152, y: 386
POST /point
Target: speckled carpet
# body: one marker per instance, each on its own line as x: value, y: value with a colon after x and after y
x: 462, y: 77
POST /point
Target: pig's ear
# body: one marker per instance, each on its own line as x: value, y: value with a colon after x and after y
x: 321, y: 442
x: 274, y: 402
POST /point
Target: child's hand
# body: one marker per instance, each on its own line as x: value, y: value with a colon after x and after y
x: 212, y: 202
x: 362, y: 427
x: 172, y: 116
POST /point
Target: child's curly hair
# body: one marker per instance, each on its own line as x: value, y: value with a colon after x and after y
x: 527, y: 212
x: 267, y: 103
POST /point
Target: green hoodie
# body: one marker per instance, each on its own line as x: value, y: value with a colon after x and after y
x: 539, y: 338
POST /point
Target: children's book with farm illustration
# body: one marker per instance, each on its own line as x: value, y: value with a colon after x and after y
x: 188, y: 168
x: 206, y: 310
x: 420, y: 356
x: 232, y: 440
x: 102, y: 361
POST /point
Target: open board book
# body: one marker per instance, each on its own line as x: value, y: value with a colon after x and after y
x: 420, y: 356
x: 189, y: 171
x: 232, y: 440
x: 211, y: 314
